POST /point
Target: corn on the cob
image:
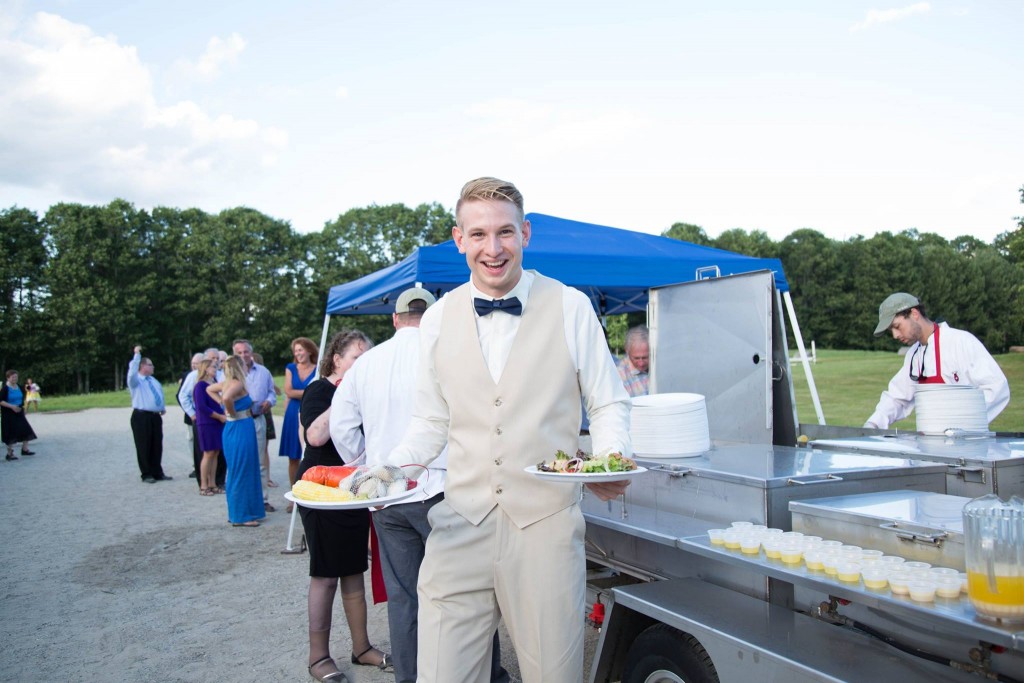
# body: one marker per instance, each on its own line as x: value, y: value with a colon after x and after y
x: 308, y: 490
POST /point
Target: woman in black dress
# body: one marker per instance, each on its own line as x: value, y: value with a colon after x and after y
x: 337, y: 539
x: 14, y: 426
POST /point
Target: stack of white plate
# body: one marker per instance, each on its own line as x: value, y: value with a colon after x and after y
x: 669, y: 426
x: 950, y: 406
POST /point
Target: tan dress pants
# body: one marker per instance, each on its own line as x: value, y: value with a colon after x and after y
x: 472, y: 576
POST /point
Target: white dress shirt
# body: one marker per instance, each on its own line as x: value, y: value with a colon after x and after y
x: 964, y: 360
x: 185, y: 397
x: 604, y: 398
x: 377, y: 393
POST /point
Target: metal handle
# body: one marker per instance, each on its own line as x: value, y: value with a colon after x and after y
x: 964, y: 472
x: 935, y: 539
x: 673, y: 471
x: 826, y: 478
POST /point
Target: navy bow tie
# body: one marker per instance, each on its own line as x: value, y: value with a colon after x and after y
x: 511, y: 305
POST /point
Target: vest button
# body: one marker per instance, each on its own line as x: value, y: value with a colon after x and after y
x: 497, y: 461
x: 497, y: 402
x: 497, y: 490
x: 498, y: 431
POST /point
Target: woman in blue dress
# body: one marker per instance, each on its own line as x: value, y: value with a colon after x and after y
x: 297, y: 377
x: 244, y: 492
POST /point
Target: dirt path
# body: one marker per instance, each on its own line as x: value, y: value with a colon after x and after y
x: 111, y: 580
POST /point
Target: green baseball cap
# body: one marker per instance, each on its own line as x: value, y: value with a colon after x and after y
x: 893, y: 305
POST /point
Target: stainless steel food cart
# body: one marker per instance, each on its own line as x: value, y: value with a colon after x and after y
x: 976, y: 465
x: 680, y: 609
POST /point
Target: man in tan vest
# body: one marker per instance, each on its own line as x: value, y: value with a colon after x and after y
x: 505, y: 361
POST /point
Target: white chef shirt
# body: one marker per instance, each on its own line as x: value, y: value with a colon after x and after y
x: 964, y: 361
x: 604, y: 398
x: 377, y: 393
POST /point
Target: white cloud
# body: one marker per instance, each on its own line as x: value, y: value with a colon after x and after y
x: 884, y: 16
x: 341, y: 93
x: 78, y: 114
x: 220, y: 52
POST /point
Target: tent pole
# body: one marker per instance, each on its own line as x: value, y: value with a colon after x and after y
x: 323, y: 342
x: 803, y: 356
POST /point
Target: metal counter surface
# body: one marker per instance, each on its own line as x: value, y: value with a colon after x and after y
x: 977, y: 449
x: 769, y: 466
x: 955, y: 614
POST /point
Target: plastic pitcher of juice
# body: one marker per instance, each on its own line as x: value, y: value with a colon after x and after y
x: 994, y: 545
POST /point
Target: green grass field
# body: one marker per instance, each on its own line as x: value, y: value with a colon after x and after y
x: 849, y: 383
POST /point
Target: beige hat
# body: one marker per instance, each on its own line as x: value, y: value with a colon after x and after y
x: 893, y: 305
x: 414, y: 294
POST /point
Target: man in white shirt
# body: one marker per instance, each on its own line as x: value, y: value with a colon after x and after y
x: 939, y: 354
x: 505, y: 361
x: 372, y: 409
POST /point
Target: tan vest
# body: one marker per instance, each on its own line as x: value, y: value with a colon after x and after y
x: 497, y: 430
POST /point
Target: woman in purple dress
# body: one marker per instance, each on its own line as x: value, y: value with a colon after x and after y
x: 210, y: 426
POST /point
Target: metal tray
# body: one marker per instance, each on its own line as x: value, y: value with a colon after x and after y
x: 917, y: 525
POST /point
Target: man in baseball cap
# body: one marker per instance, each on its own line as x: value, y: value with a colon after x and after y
x: 938, y: 354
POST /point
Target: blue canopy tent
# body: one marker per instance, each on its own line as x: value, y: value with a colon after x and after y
x: 614, y: 267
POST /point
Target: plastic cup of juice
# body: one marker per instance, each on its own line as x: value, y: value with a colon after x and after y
x: 791, y: 553
x: 848, y: 572
x: 899, y: 581
x: 829, y: 543
x: 869, y: 556
x: 792, y: 534
x: 916, y: 565
x: 850, y: 551
x: 875, y: 577
x: 937, y: 572
x: 717, y: 536
x: 732, y: 539
x: 891, y: 560
x: 772, y: 544
x: 921, y: 591
x: 750, y: 545
x: 771, y: 531
x: 831, y: 561
x: 813, y: 540
x: 947, y: 586
x: 814, y: 559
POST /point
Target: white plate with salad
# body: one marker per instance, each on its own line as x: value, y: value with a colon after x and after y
x: 586, y: 477
x: 586, y: 467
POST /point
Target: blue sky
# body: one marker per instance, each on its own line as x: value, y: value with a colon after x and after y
x: 846, y: 117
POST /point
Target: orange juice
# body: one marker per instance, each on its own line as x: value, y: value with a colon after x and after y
x: 1007, y: 602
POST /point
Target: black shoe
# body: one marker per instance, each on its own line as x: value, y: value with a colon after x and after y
x: 12, y: 456
x: 192, y: 474
x: 149, y: 480
x: 24, y: 452
x: 165, y: 477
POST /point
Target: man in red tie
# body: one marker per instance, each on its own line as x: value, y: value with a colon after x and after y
x: 147, y: 423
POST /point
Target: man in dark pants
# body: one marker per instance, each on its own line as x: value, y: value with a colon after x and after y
x: 147, y: 423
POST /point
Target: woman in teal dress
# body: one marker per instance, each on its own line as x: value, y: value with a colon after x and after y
x: 297, y: 377
x: 242, y: 484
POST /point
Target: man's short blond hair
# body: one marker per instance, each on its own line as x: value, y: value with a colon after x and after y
x: 489, y: 190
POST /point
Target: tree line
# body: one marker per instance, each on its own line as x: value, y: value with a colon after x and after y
x: 81, y: 284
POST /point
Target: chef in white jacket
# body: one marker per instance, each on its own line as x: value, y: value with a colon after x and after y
x: 939, y: 354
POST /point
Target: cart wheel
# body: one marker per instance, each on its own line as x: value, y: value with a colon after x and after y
x: 662, y: 654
